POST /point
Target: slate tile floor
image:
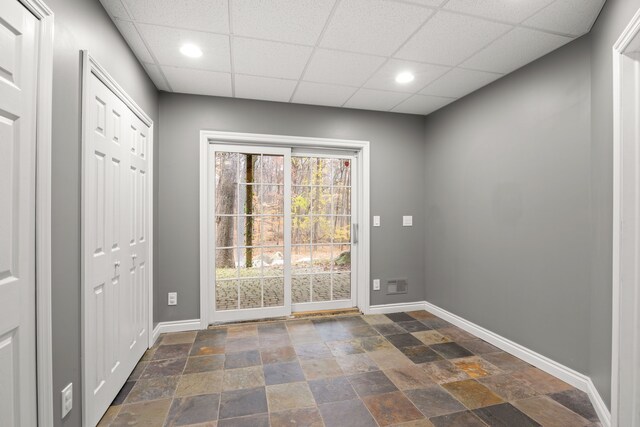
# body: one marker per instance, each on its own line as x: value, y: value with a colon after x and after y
x: 403, y: 369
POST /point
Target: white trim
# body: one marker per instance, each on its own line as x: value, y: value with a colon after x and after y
x: 395, y: 308
x: 568, y: 375
x: 176, y: 326
x: 626, y: 230
x: 44, y: 356
x: 363, y: 154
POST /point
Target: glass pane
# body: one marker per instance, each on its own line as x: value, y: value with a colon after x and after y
x: 249, y: 168
x: 226, y: 183
x: 250, y: 293
x: 226, y: 231
x: 272, y: 169
x: 300, y: 200
x: 321, y: 258
x: 321, y: 171
x: 272, y: 261
x: 272, y: 199
x: 272, y: 230
x: 225, y: 263
x: 249, y: 230
x: 341, y: 172
x: 341, y: 201
x: 341, y: 257
x: 342, y: 285
x: 322, y: 228
x: 300, y: 259
x: 301, y: 170
x: 249, y: 199
x: 341, y: 229
x: 273, y: 291
x: 321, y: 287
x: 300, y: 230
x: 321, y: 200
x: 226, y: 294
x: 300, y: 289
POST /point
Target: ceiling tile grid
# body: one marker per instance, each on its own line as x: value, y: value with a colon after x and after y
x: 345, y: 53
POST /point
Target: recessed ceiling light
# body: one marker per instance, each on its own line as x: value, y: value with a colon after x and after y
x: 405, y: 77
x: 191, y: 50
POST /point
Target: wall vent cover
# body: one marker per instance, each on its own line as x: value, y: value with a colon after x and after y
x: 397, y: 286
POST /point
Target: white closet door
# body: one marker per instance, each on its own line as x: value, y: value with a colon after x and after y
x: 115, y: 245
x: 18, y: 71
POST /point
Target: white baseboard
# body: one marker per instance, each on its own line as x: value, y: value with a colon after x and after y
x: 395, y: 308
x: 568, y: 375
x: 176, y: 326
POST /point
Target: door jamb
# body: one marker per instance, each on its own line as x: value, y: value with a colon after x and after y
x: 362, y: 147
x: 626, y: 225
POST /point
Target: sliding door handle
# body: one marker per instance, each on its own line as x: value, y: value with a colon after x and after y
x: 354, y: 233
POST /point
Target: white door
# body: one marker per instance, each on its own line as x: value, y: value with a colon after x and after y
x: 18, y: 71
x: 115, y: 248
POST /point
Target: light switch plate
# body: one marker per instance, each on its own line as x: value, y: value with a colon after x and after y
x: 172, y: 298
x: 67, y: 399
x: 407, y: 221
x: 376, y: 284
x: 376, y: 221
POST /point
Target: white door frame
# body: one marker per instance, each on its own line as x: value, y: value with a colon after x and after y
x: 625, y: 378
x: 44, y: 100
x: 91, y: 66
x: 208, y: 137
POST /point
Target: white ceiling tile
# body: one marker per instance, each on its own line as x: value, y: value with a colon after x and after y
x: 514, y: 50
x: 270, y: 59
x: 369, y: 99
x: 448, y: 39
x: 431, y: 3
x: 130, y: 34
x: 573, y: 17
x: 203, y: 15
x: 459, y: 82
x: 376, y: 27
x: 264, y: 88
x: 294, y: 21
x: 156, y: 76
x: 501, y: 10
x: 421, y: 104
x: 385, y: 78
x: 115, y: 9
x: 165, y: 44
x: 198, y: 82
x: 349, y: 69
x: 322, y: 94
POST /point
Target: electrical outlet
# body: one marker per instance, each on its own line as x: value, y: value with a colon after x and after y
x: 376, y: 284
x: 173, y: 298
x: 67, y: 399
x: 407, y: 221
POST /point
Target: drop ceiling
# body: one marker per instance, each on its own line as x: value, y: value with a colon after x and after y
x: 345, y: 53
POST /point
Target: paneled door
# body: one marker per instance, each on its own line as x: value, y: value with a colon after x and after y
x: 115, y: 245
x: 18, y: 73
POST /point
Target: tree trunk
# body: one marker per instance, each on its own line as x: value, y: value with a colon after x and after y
x: 225, y: 199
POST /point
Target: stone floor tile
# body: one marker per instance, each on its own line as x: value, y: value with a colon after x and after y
x: 289, y: 396
x: 193, y: 409
x: 578, y: 401
x: 200, y: 383
x: 444, y: 372
x: 507, y: 387
x: 142, y: 414
x: 391, y: 408
x: 310, y: 351
x: 472, y: 394
x: 363, y: 331
x: 274, y: 341
x: 163, y: 368
x: 350, y: 413
x: 344, y: 348
x: 458, y: 419
x: 153, y: 389
x: 260, y: 420
x: 298, y: 338
x: 409, y: 377
x: 430, y: 337
x: 356, y: 363
x: 421, y: 314
x: 456, y: 334
x: 377, y: 319
x: 272, y: 328
x: 242, y: 359
x: 137, y: 371
x: 218, y: 335
x: 413, y: 326
x: 400, y: 317
x: 476, y: 367
x: 451, y: 350
x: 371, y: 383
x: 109, y: 416
x: 332, y: 390
x: 207, y: 348
x: 478, y: 347
x: 148, y: 355
x: 123, y: 393
x: 240, y: 403
x: 281, y: 373
x: 197, y: 364
x: 179, y: 338
x: 389, y: 329
x: 375, y: 343
x: 420, y: 354
x: 403, y: 340
x: 241, y: 344
x: 236, y: 379
x: 390, y: 358
x: 505, y: 361
x: 503, y: 415
x: 321, y: 368
x: 540, y: 381
x: 303, y: 417
x: 549, y: 413
x: 417, y: 423
x: 433, y: 401
x: 435, y: 323
x: 242, y: 331
x: 278, y: 355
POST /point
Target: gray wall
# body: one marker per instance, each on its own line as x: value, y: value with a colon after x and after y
x: 397, y: 174
x: 79, y: 24
x: 519, y: 203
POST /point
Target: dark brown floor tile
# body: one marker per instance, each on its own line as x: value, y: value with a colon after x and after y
x: 152, y: 389
x: 451, y: 350
x: 282, y: 397
x: 321, y: 368
x: 433, y: 401
x: 242, y: 359
x: 193, y: 409
x: 389, y: 329
x: 476, y: 367
x: 261, y: 420
x: 356, y: 364
x: 123, y: 393
x: 240, y: 403
x: 421, y: 314
x: 505, y: 361
x: 350, y: 413
x: 332, y: 390
x: 376, y: 343
x: 435, y: 323
x: 236, y: 379
x: 472, y: 394
x: 458, y: 419
x: 578, y: 402
x: 400, y: 317
x: 538, y: 380
x: 142, y: 414
x: 278, y: 355
x: 371, y: 383
x: 343, y: 348
x: 164, y: 368
x: 550, y: 413
x: 391, y: 408
x: 420, y: 354
x: 479, y: 346
x: 281, y: 373
x: 172, y: 351
x: 313, y: 351
x: 204, y: 364
x: 303, y: 417
x: 507, y: 387
x: 413, y: 326
x: 241, y: 344
x: 403, y: 340
x: 409, y: 377
x: 504, y: 415
x: 456, y: 334
x: 207, y: 348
